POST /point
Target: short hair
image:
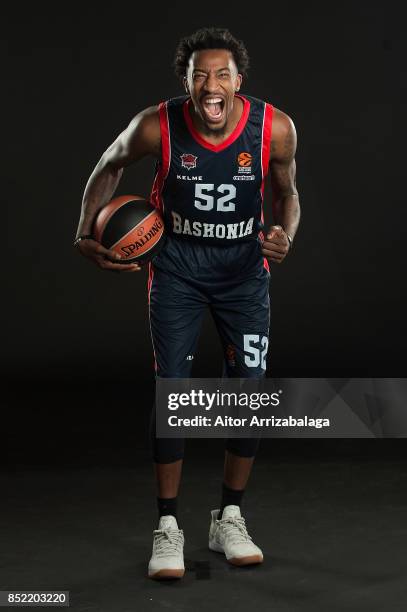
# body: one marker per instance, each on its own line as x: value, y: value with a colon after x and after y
x: 210, y: 38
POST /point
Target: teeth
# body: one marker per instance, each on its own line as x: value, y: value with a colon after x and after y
x: 213, y: 100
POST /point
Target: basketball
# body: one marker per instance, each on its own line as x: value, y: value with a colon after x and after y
x: 130, y: 226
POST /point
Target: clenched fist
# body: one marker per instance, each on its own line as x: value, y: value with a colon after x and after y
x: 276, y: 244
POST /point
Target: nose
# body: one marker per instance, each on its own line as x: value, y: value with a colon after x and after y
x: 211, y: 83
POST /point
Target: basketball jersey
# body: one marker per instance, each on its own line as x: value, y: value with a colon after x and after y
x: 212, y: 193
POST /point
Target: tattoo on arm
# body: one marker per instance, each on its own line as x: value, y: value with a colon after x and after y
x: 282, y: 160
x: 289, y: 145
x: 283, y: 178
x: 285, y: 202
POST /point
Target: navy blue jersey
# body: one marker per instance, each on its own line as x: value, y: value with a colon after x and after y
x: 213, y: 193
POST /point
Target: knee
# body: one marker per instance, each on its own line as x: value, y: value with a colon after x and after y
x: 164, y: 450
x: 167, y: 450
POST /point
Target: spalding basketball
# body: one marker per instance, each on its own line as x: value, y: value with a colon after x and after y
x: 131, y: 226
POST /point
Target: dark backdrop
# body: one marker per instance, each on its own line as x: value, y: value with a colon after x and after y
x: 77, y: 345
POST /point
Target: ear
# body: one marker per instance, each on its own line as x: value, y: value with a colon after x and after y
x: 185, y: 80
x: 238, y: 82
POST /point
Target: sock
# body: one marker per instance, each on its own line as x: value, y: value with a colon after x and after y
x: 167, y: 505
x: 230, y: 497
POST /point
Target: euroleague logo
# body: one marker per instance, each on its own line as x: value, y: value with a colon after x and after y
x: 244, y: 160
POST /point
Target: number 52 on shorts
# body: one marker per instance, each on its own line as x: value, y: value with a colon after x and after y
x: 255, y: 350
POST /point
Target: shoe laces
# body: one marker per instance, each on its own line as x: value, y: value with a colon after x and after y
x: 235, y: 528
x: 168, y: 541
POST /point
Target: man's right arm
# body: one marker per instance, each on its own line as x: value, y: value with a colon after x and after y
x: 141, y: 138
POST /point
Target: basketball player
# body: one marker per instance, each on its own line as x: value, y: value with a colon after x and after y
x: 213, y: 149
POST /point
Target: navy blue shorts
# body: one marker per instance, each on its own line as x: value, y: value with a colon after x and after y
x: 186, y: 278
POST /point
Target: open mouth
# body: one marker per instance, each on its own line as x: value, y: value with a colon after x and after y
x: 213, y: 108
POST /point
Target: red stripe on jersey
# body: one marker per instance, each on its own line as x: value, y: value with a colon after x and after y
x: 165, y: 138
x: 266, y: 139
x: 164, y: 165
x: 156, y: 190
x: 266, y: 264
x: 265, y: 148
x: 233, y: 136
x: 265, y: 261
x: 265, y: 159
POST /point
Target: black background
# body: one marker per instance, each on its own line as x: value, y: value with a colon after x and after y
x: 77, y: 347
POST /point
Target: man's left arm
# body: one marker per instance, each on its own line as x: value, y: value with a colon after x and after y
x: 285, y: 200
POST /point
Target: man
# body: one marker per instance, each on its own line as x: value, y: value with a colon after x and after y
x: 214, y: 148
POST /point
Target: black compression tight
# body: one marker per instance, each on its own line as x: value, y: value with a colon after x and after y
x: 168, y: 450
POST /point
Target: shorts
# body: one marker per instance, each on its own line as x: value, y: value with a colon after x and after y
x: 188, y: 277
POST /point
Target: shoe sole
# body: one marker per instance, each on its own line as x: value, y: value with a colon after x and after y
x: 167, y: 574
x: 248, y: 560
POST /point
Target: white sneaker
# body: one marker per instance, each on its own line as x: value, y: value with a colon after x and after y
x: 167, y: 560
x: 229, y: 535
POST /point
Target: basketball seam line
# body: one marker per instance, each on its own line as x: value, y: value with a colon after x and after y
x: 153, y: 212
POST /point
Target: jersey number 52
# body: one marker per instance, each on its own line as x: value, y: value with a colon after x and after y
x: 255, y: 355
x: 206, y: 201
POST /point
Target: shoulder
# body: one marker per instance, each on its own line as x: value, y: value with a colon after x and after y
x: 146, y: 121
x: 282, y: 123
x: 144, y: 130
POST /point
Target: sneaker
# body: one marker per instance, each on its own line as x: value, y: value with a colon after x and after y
x: 229, y: 535
x: 167, y: 560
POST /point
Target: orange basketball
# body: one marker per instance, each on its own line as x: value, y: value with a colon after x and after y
x: 131, y: 226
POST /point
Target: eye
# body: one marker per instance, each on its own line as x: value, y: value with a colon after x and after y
x: 198, y: 77
x: 224, y: 75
